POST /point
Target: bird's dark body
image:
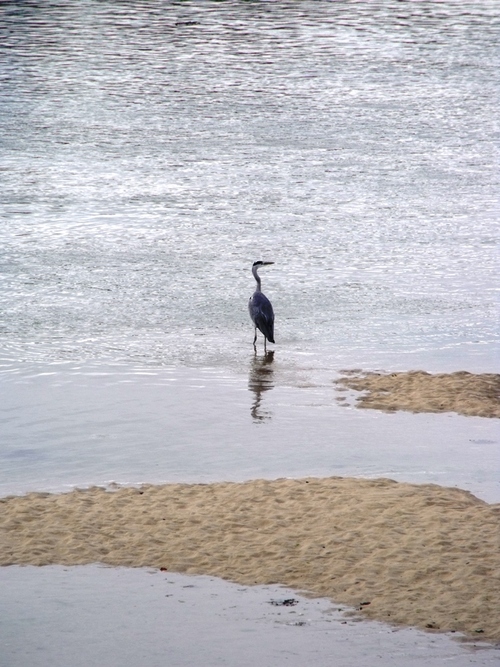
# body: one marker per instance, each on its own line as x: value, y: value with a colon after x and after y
x: 260, y: 308
x: 262, y: 314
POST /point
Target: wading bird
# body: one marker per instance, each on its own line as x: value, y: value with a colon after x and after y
x: 260, y: 309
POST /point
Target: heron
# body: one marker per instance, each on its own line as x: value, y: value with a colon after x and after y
x: 260, y: 309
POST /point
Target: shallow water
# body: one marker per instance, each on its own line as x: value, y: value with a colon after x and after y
x: 101, y: 424
x: 152, y: 153
x: 123, y: 611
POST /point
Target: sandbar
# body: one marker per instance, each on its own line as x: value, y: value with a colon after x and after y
x: 417, y: 555
x: 470, y: 394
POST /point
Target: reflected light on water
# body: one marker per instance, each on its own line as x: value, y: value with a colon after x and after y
x: 150, y: 154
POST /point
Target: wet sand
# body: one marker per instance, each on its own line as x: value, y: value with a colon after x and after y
x: 417, y: 391
x: 419, y: 555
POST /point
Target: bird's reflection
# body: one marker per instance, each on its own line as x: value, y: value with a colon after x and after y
x: 260, y: 379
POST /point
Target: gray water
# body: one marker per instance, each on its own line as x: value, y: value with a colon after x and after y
x: 231, y: 625
x: 150, y: 153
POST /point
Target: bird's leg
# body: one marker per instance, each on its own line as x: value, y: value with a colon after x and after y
x: 255, y: 338
x: 265, y: 348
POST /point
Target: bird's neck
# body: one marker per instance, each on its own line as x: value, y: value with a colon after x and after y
x: 256, y: 276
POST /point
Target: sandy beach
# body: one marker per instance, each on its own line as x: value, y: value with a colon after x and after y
x: 420, y: 555
x: 474, y: 395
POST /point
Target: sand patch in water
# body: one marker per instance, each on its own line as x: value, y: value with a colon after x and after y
x: 420, y: 555
x: 466, y: 393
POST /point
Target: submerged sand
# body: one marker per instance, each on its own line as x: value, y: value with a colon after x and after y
x: 419, y: 555
x: 417, y: 391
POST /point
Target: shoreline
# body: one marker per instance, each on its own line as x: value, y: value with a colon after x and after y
x: 415, y: 555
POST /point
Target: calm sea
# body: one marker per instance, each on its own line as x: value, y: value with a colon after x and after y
x: 152, y: 151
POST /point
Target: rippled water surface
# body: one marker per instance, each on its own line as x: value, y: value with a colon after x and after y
x: 152, y: 151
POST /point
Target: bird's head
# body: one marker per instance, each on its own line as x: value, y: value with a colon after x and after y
x: 261, y: 263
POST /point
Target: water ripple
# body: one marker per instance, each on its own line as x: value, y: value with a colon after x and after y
x: 152, y: 153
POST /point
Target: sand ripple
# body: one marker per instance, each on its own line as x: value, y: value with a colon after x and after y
x: 417, y: 391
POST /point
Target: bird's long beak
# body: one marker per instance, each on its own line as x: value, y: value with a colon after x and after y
x: 267, y: 263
